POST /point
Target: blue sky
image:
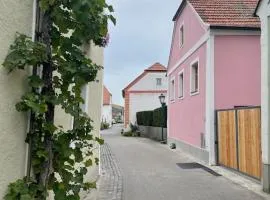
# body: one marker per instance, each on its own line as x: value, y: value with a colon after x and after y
x: 141, y: 37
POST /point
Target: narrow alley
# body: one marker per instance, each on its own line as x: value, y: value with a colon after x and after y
x: 147, y: 171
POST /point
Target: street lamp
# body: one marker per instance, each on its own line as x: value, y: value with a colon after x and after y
x: 162, y: 99
x: 163, y: 104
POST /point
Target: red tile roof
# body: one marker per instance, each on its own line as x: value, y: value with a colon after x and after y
x: 106, y: 96
x: 156, y: 67
x: 226, y: 13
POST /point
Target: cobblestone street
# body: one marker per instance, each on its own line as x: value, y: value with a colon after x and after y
x: 111, y: 183
x: 141, y: 169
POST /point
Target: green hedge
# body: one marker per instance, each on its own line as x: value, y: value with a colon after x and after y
x: 145, y: 118
x: 156, y: 118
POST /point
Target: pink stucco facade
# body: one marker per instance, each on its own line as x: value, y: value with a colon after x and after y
x: 193, y: 30
x: 186, y: 116
x: 237, y: 71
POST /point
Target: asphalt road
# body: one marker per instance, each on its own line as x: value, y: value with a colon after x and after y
x: 150, y: 172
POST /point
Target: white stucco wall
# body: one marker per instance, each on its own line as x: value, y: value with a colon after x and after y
x: 142, y: 102
x: 107, y: 114
x: 94, y: 107
x: 264, y: 14
x: 15, y: 16
x: 148, y: 82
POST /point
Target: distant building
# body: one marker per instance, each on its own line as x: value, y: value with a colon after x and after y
x: 117, y: 113
x: 143, y: 92
x: 107, y: 106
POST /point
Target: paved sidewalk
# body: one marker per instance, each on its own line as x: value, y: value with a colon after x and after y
x: 150, y: 172
x: 110, y: 185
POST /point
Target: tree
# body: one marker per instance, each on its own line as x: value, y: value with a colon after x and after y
x: 58, y: 158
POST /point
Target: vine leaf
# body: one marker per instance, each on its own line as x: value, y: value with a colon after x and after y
x: 59, y: 157
x: 24, y: 52
x: 35, y: 81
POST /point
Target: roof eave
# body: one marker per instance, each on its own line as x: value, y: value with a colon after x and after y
x: 257, y: 7
x: 180, y: 9
x: 235, y: 28
x: 163, y: 70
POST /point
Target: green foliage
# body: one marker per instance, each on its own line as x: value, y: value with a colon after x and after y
x: 134, y: 131
x: 76, y: 24
x: 145, y: 118
x: 24, y: 53
x: 23, y: 190
x: 131, y: 134
x: 160, y: 117
x: 104, y: 125
x: 128, y: 134
x: 133, y: 128
x: 156, y: 118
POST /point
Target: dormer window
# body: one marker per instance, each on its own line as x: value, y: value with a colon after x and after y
x: 181, y: 36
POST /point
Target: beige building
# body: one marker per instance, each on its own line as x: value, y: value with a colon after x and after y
x: 17, y: 16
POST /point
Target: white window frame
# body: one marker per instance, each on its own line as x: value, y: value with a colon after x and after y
x: 183, y: 84
x: 172, y: 98
x: 157, y: 82
x: 181, y: 35
x: 192, y: 93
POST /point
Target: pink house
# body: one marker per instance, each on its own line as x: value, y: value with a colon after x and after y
x: 214, y: 64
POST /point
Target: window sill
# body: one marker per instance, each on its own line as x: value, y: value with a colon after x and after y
x: 181, y: 98
x: 172, y: 101
x: 194, y: 93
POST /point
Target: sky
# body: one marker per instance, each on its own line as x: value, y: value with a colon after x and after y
x: 141, y: 37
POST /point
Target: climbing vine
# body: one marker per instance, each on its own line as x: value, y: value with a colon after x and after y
x: 59, y: 158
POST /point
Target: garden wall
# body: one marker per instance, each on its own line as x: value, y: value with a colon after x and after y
x: 152, y: 132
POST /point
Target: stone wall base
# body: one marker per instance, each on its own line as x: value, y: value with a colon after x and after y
x: 196, y: 152
x: 154, y: 133
x: 266, y: 178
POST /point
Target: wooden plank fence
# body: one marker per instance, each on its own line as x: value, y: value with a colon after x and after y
x: 227, y: 138
x: 239, y: 140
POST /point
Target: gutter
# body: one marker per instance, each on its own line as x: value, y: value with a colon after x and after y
x: 235, y: 28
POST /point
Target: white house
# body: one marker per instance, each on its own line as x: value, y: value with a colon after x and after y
x: 263, y: 11
x: 143, y: 92
x: 107, y: 106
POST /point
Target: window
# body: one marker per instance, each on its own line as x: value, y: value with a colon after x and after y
x: 172, y: 90
x: 181, y: 85
x: 194, y: 78
x: 159, y: 81
x: 181, y: 35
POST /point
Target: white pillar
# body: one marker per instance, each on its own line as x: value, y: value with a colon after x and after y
x: 265, y: 101
x: 210, y: 102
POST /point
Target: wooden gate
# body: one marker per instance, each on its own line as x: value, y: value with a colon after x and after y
x: 239, y: 140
